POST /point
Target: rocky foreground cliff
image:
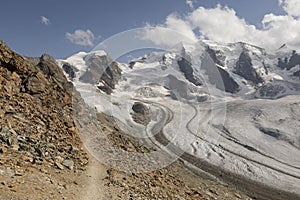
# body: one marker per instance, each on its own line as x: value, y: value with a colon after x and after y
x: 42, y: 157
x: 36, y: 121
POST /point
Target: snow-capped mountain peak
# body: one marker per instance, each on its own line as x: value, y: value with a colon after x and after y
x: 238, y: 69
x: 203, y: 97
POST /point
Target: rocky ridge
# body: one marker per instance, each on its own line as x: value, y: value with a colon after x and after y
x: 36, y: 122
x: 36, y: 110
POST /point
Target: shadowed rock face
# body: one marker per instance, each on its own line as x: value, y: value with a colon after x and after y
x: 100, y: 69
x: 229, y: 83
x: 178, y: 88
x: 141, y: 113
x: 271, y: 90
x: 245, y: 69
x: 218, y: 59
x: 96, y: 68
x: 218, y: 76
x: 297, y: 73
x: 139, y: 108
x: 70, y: 70
x: 289, y: 63
x: 294, y: 60
x: 186, y: 68
x: 110, y: 78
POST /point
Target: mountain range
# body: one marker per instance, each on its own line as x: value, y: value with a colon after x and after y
x: 238, y: 69
x: 230, y: 107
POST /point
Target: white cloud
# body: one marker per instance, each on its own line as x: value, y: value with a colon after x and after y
x: 292, y: 7
x: 81, y: 37
x: 171, y: 33
x: 190, y: 3
x: 280, y: 29
x: 45, y: 20
x: 223, y: 25
x: 220, y: 24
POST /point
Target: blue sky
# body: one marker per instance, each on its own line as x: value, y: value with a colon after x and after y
x: 34, y: 27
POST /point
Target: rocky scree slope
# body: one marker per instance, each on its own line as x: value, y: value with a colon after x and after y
x: 36, y: 123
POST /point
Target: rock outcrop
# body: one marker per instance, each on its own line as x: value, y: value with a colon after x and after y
x: 101, y: 70
x: 216, y: 55
x: 110, y: 78
x: 271, y: 91
x: 245, y: 69
x: 96, y: 67
x: 289, y: 63
x: 36, y: 121
x: 141, y: 113
x: 297, y: 73
x: 70, y: 70
x: 218, y: 76
x: 186, y: 68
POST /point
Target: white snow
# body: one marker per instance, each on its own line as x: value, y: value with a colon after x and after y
x: 225, y: 130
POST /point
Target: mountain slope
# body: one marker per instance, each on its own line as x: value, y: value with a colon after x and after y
x: 32, y: 120
x: 204, y: 102
x: 42, y: 157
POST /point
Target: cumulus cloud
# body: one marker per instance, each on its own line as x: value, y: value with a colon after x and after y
x: 45, y: 20
x: 190, y: 3
x: 81, y: 37
x: 292, y: 7
x: 222, y: 24
x: 169, y: 34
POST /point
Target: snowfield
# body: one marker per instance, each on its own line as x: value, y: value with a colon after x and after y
x: 251, y: 132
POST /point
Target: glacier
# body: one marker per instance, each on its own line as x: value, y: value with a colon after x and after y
x: 231, y: 110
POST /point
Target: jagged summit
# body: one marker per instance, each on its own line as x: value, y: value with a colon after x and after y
x: 239, y: 69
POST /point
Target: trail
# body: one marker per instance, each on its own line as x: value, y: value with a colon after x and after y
x: 93, y: 181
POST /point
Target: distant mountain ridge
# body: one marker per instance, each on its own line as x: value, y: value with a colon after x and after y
x: 239, y: 69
